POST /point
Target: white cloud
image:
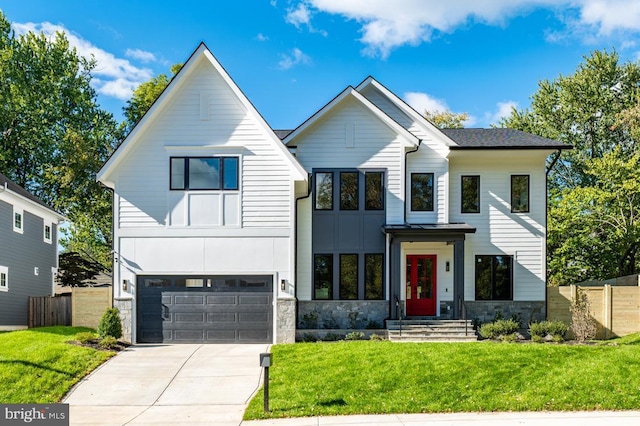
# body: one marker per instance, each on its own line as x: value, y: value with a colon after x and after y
x: 140, y: 55
x: 295, y: 57
x: 503, y: 110
x: 386, y: 25
x: 422, y: 102
x: 301, y: 17
x: 261, y: 37
x: 113, y: 76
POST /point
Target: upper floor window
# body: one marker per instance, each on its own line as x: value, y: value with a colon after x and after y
x: 18, y: 220
x: 4, y: 278
x: 47, y: 233
x: 204, y: 173
x: 374, y: 191
x: 324, y: 191
x: 470, y: 194
x: 422, y: 192
x: 494, y: 277
x: 349, y: 190
x: 520, y: 193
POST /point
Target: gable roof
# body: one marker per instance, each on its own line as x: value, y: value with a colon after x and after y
x: 350, y: 92
x: 404, y: 107
x: 500, y: 138
x: 202, y: 53
x: 8, y: 184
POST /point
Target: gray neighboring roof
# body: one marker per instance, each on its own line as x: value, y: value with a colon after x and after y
x: 282, y: 133
x: 14, y: 187
x: 500, y: 138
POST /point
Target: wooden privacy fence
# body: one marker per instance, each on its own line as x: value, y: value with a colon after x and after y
x: 47, y: 311
x: 616, y: 309
x: 83, y: 308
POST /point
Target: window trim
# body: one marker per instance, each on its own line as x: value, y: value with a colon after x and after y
x: 221, y: 181
x: 48, y: 240
x: 18, y: 212
x: 527, y: 209
x: 4, y: 270
x: 462, y: 211
x: 433, y: 201
x: 493, y: 271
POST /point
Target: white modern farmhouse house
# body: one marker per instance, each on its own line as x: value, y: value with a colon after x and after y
x: 228, y: 231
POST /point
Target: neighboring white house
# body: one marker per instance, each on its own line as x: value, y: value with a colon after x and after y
x: 221, y: 234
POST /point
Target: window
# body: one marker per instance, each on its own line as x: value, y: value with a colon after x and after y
x: 323, y: 276
x: 422, y: 192
x: 4, y: 278
x: 324, y: 191
x: 47, y: 233
x: 348, y: 276
x: 18, y: 220
x: 520, y: 193
x: 349, y: 191
x: 470, y: 194
x: 204, y: 173
x: 374, y: 191
x: 373, y: 276
x: 494, y: 277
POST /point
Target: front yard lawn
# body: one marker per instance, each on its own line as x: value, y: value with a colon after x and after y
x: 376, y: 377
x: 37, y: 366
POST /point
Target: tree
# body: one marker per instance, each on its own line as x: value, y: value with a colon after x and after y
x: 145, y: 95
x: 53, y: 135
x: 75, y: 271
x: 446, y: 119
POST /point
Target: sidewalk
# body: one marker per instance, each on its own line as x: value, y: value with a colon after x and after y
x: 590, y: 418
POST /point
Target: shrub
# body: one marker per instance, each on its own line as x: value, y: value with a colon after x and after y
x: 86, y: 337
x: 108, y: 342
x: 110, y: 324
x: 557, y: 330
x: 376, y: 337
x: 536, y: 339
x: 538, y: 329
x: 354, y: 335
x: 499, y: 328
x: 582, y: 323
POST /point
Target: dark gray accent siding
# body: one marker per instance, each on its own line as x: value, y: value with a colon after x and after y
x: 21, y: 253
x: 347, y: 231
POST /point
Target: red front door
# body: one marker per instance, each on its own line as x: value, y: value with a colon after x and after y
x: 421, y: 285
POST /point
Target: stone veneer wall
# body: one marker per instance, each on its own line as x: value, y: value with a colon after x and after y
x: 485, y: 311
x: 286, y: 321
x: 124, y: 306
x: 342, y: 314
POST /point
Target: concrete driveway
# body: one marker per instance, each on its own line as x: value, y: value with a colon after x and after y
x: 169, y: 384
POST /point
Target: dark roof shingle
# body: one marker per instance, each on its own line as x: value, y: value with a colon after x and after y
x: 500, y: 138
x: 14, y: 187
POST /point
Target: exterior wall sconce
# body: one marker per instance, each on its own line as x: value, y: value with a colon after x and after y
x: 447, y: 266
x: 283, y: 285
x: 125, y: 284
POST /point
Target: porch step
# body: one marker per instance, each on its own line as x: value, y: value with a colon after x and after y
x: 431, y: 330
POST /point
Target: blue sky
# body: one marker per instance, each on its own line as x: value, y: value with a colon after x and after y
x: 290, y: 57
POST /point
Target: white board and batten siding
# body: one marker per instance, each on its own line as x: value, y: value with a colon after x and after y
x: 498, y: 230
x: 350, y: 136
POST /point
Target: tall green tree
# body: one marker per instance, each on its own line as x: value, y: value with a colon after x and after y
x: 54, y: 137
x: 446, y: 119
x: 592, y: 230
x: 145, y: 95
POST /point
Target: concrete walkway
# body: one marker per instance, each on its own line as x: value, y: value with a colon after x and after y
x: 169, y: 385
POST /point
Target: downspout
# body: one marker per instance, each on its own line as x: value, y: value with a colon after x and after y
x: 406, y: 154
x: 295, y: 243
x: 546, y: 214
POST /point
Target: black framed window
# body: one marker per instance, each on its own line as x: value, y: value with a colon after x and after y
x: 470, y: 194
x: 494, y: 277
x: 349, y: 190
x: 348, y: 276
x: 422, y: 192
x: 323, y: 276
x: 519, y: 193
x: 324, y: 190
x: 374, y: 276
x: 374, y: 190
x: 204, y: 173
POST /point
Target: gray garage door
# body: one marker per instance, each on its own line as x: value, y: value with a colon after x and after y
x: 205, y: 309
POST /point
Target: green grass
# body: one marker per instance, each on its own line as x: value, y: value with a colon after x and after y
x: 362, y: 377
x: 37, y: 366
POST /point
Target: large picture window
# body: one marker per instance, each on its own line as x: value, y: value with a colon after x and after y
x: 520, y: 193
x: 348, y: 276
x: 422, y: 192
x: 494, y: 277
x: 374, y: 191
x: 470, y: 194
x: 373, y: 276
x: 324, y: 191
x: 204, y: 173
x: 323, y: 276
x: 349, y: 190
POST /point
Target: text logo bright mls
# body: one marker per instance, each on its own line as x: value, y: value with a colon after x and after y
x: 37, y: 414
